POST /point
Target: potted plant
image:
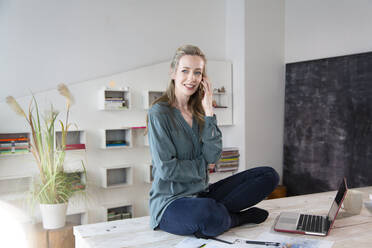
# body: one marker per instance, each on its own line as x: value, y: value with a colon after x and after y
x: 54, y: 186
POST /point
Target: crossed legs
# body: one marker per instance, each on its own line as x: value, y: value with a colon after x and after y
x: 220, y: 208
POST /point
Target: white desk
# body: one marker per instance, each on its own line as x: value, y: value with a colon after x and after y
x: 348, y: 231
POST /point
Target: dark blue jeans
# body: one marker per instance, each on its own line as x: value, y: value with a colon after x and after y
x: 210, y: 212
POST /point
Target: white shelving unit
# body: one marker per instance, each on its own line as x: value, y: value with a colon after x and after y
x: 149, y: 96
x: 117, y: 176
x: 115, y: 99
x: 148, y: 173
x: 116, y: 138
x: 117, y: 211
x: 75, y: 139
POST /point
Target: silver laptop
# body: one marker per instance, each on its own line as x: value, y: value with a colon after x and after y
x: 312, y: 224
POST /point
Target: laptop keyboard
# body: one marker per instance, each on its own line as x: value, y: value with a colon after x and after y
x: 310, y: 223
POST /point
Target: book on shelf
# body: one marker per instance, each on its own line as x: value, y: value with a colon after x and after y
x: 114, y: 98
x: 139, y: 127
x: 229, y: 159
x: 20, y: 151
x: 116, y: 143
x: 14, y: 139
x: 74, y: 146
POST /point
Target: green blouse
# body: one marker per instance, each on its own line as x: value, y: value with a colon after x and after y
x: 180, y: 156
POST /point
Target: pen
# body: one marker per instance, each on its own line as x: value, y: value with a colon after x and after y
x: 262, y: 243
x: 249, y: 242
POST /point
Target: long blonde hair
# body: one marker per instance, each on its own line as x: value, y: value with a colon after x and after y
x: 195, y: 101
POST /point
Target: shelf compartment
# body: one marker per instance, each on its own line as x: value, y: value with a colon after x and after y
x: 78, y: 180
x: 75, y: 140
x: 150, y: 96
x: 14, y: 143
x: 15, y: 188
x: 117, y: 176
x: 77, y: 218
x: 220, y: 98
x: 138, y: 136
x: 117, y: 138
x: 114, y: 99
x: 119, y: 213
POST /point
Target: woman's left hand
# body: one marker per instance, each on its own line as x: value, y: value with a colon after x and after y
x: 208, y: 96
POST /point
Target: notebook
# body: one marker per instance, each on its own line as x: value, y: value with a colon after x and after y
x: 312, y: 224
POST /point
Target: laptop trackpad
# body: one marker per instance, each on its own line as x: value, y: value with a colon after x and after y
x: 287, y: 221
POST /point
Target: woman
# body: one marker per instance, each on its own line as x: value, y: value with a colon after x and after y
x: 184, y: 139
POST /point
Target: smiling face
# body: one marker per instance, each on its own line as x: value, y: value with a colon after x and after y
x: 188, y: 75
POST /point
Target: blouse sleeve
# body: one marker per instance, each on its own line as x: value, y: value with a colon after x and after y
x: 212, y: 140
x: 163, y: 153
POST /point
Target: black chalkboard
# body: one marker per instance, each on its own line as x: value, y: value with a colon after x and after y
x: 328, y: 124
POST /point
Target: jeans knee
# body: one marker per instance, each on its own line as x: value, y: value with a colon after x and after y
x: 215, y: 219
x: 274, y: 176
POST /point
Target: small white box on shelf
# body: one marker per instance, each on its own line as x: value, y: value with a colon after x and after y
x: 15, y: 188
x: 139, y: 138
x: 117, y: 211
x: 117, y: 176
x: 78, y: 218
x: 115, y: 98
x: 149, y: 96
x: 75, y: 139
x: 117, y: 138
x: 148, y: 173
x: 76, y: 211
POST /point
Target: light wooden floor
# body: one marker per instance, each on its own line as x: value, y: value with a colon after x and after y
x: 348, y: 231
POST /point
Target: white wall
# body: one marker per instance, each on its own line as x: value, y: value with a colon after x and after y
x: 320, y: 29
x: 264, y: 89
x: 235, y: 47
x: 45, y: 42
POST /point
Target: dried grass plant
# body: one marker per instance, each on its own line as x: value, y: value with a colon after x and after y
x: 55, y: 186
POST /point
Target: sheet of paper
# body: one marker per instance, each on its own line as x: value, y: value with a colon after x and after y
x: 297, y: 241
x: 284, y: 240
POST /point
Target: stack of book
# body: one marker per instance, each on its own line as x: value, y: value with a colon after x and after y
x: 118, y: 215
x: 229, y: 160
x: 115, y: 102
x: 19, y: 145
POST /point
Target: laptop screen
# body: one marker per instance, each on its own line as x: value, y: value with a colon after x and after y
x: 338, y: 200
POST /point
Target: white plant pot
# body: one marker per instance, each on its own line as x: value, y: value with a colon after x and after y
x: 53, y: 215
